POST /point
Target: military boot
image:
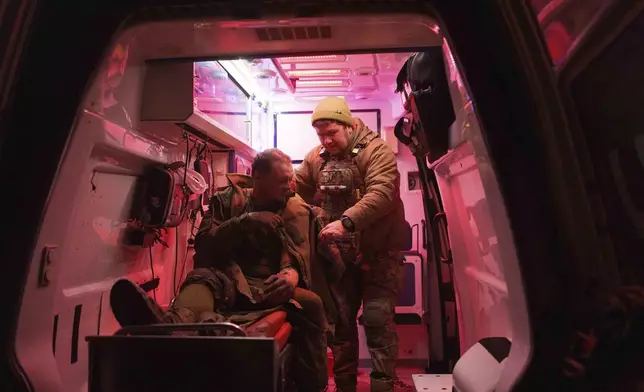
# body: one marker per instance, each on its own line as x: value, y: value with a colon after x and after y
x: 382, y: 383
x: 346, y: 384
x: 340, y: 388
x: 403, y: 387
x: 132, y: 306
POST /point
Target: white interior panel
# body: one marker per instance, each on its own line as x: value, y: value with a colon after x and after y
x: 296, y: 137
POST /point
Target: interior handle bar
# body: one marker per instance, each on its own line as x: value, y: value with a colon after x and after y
x: 160, y: 328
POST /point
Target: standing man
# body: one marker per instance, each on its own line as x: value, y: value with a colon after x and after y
x: 353, y: 176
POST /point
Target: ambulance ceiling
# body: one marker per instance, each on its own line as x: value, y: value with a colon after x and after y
x: 262, y: 38
x: 306, y: 78
x: 315, y: 71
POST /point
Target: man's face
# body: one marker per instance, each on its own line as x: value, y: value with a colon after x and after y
x: 276, y: 184
x: 333, y: 137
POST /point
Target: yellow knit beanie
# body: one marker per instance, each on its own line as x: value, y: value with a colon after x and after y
x: 333, y: 108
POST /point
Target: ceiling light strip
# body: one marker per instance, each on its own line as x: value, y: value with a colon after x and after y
x: 322, y: 83
x: 312, y: 73
x: 318, y: 97
x: 314, y: 59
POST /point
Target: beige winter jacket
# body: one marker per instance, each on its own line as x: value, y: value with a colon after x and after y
x: 379, y: 214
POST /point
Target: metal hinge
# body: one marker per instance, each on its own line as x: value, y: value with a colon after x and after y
x: 47, y: 262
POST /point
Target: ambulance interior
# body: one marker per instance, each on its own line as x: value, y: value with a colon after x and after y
x: 219, y: 92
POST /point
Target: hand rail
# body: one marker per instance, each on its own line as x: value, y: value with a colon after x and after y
x: 156, y: 328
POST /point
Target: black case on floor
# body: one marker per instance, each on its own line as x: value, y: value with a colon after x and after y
x: 182, y: 364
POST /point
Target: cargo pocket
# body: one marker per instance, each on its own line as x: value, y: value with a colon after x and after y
x: 385, y: 273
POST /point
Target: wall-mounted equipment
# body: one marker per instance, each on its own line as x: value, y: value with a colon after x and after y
x: 429, y: 111
x: 163, y: 194
x: 413, y: 181
x: 202, y: 167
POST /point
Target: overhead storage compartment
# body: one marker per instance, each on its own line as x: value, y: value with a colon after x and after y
x: 201, y: 98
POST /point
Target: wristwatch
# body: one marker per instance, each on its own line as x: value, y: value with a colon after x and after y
x: 348, y: 224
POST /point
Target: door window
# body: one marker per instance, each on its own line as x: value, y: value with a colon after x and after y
x: 563, y: 22
x: 608, y: 95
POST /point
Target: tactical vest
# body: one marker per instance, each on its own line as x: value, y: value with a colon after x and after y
x: 340, y: 186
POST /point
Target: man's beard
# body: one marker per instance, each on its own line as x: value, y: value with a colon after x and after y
x: 271, y: 204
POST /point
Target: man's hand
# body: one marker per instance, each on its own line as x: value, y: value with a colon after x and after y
x: 332, y: 230
x: 279, y: 290
x: 266, y: 218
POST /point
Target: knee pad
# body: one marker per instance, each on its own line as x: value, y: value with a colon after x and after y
x: 223, y: 289
x: 197, y: 297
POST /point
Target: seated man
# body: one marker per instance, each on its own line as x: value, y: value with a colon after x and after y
x: 251, y: 258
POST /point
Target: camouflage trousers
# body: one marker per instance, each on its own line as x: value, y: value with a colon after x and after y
x: 376, y: 288
x: 309, y: 367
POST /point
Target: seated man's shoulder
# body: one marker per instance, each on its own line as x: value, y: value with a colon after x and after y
x: 242, y: 181
x: 296, y: 218
x: 223, y: 191
x: 222, y: 196
x: 229, y: 199
x: 296, y: 206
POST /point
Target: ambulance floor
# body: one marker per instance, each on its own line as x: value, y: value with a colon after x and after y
x: 404, y: 373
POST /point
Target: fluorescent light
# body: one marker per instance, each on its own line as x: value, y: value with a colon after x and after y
x: 314, y: 59
x: 317, y: 97
x: 210, y: 99
x: 242, y: 75
x: 322, y: 83
x: 311, y: 73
